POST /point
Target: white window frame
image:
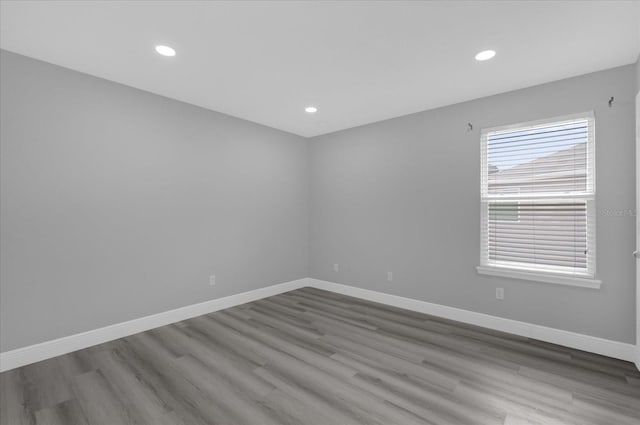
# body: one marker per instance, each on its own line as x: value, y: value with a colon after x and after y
x: 528, y: 272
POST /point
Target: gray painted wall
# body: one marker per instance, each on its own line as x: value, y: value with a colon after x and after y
x: 117, y: 203
x: 638, y: 75
x: 403, y: 195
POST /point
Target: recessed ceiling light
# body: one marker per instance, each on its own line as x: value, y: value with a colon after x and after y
x: 165, y: 50
x: 311, y: 109
x: 485, y: 55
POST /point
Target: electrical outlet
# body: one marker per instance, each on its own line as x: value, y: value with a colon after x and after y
x: 336, y: 267
x: 389, y: 276
x: 499, y: 293
x: 212, y: 280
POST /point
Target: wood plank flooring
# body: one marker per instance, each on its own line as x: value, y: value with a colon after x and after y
x: 318, y: 358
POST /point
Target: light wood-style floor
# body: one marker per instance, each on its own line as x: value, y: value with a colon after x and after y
x: 318, y: 358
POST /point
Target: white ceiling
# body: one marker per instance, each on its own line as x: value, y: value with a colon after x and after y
x: 357, y: 61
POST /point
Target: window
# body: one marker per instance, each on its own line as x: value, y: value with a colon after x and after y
x: 537, y: 201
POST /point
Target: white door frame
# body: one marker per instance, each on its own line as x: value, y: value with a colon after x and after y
x: 637, y: 253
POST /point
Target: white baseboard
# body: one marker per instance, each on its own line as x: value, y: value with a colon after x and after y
x: 606, y: 347
x: 45, y: 350
x: 48, y: 349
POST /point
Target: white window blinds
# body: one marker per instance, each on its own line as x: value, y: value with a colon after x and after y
x: 538, y: 191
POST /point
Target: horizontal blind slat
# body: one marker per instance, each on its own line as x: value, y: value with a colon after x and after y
x: 536, y: 144
x: 540, y: 132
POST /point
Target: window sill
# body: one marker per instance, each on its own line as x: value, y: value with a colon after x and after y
x: 582, y: 282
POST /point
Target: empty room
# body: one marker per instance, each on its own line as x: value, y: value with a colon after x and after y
x: 319, y: 212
